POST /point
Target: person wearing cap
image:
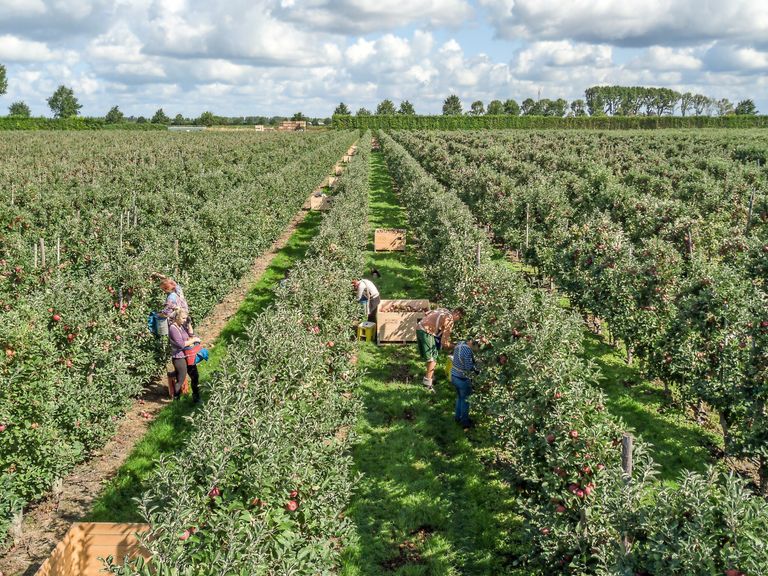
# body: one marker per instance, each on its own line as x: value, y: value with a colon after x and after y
x: 368, y: 294
x: 432, y: 333
x: 462, y: 371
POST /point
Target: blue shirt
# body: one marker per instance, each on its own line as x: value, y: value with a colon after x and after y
x: 463, y: 361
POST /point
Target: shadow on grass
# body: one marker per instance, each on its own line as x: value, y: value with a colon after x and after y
x: 679, y: 444
x: 426, y: 504
x: 170, y: 430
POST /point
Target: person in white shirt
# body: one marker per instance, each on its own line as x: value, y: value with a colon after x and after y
x: 368, y: 294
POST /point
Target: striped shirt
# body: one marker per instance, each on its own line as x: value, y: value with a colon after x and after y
x: 463, y: 361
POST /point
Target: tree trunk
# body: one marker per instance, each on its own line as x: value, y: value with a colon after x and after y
x: 726, y: 436
x: 629, y: 355
x: 763, y: 471
x: 700, y: 412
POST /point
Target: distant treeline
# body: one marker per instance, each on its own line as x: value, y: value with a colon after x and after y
x: 546, y: 122
x: 74, y: 123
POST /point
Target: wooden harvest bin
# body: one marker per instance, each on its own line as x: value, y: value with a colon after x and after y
x: 338, y: 170
x: 346, y: 158
x: 320, y: 202
x: 332, y: 181
x: 78, y: 552
x: 396, y: 320
x: 389, y: 239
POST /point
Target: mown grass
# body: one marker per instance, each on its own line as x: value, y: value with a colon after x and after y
x: 426, y: 504
x: 679, y: 444
x: 169, y: 431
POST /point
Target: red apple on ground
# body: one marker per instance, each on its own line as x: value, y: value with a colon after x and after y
x: 292, y: 506
x: 573, y: 434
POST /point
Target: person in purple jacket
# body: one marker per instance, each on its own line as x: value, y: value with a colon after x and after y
x: 181, y: 335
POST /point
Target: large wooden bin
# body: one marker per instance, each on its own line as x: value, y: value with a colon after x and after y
x: 388, y: 240
x: 396, y: 320
x: 79, y: 551
x: 320, y: 202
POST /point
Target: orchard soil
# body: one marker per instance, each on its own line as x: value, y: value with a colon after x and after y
x: 46, y: 522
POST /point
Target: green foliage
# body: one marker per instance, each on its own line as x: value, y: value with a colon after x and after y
x: 77, y: 123
x: 495, y: 108
x: 63, y: 103
x: 508, y: 121
x: 746, y: 107
x: 511, y: 107
x: 160, y: 117
x: 267, y: 467
x: 3, y: 80
x: 560, y: 446
x: 206, y: 119
x: 386, y: 108
x: 406, y: 108
x: 19, y: 110
x: 363, y: 112
x: 452, y: 106
x: 342, y: 110
x: 114, y: 116
x: 477, y: 108
x: 91, y: 352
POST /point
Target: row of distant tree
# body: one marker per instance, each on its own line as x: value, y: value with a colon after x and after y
x: 64, y: 104
x: 597, y: 101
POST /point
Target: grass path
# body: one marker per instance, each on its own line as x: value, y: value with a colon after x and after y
x: 169, y: 431
x: 426, y: 504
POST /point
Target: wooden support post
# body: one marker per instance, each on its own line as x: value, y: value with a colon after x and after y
x: 477, y: 255
x: 690, y: 242
x: 627, y: 443
x: 121, y: 233
x: 34, y: 246
x: 751, y: 208
x: 527, y: 225
x: 58, y: 251
x: 42, y: 252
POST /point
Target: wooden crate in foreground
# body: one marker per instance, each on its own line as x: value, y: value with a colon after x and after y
x: 396, y: 320
x: 78, y: 552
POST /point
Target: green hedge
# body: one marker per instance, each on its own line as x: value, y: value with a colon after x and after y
x: 10, y: 123
x: 542, y: 122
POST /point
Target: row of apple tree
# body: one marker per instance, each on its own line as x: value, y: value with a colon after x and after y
x: 671, y: 253
x: 262, y: 486
x: 559, y: 447
x: 87, y: 219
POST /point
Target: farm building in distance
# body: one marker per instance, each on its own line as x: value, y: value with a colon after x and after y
x: 289, y: 125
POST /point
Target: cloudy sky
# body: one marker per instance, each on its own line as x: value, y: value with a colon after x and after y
x: 265, y: 57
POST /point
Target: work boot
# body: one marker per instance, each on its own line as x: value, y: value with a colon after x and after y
x: 427, y: 383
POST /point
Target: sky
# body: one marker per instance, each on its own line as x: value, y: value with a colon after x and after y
x: 279, y: 57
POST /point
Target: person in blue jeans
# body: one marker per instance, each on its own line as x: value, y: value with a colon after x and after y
x: 462, y: 371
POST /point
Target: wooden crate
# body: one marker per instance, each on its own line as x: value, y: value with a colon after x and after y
x: 78, y: 552
x: 389, y: 240
x: 332, y: 181
x: 346, y: 158
x: 395, y: 323
x: 338, y: 170
x: 321, y: 202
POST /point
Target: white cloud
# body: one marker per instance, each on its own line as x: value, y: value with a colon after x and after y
x: 663, y: 58
x: 366, y: 16
x: 630, y: 22
x: 18, y: 50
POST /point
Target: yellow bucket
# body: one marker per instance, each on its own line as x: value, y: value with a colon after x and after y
x: 448, y: 366
x: 366, y: 331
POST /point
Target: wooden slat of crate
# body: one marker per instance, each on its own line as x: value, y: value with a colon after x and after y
x: 321, y: 203
x: 78, y: 552
x: 332, y: 181
x: 399, y: 326
x: 389, y: 240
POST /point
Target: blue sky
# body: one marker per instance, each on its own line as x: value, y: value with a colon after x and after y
x: 265, y: 57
